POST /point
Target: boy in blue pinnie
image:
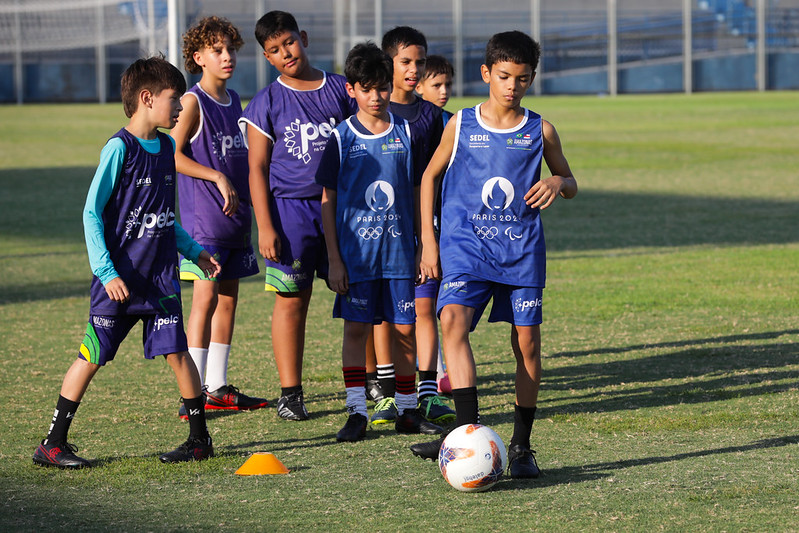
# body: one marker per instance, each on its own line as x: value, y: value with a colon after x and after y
x: 492, y: 238
x: 370, y: 186
x: 133, y: 241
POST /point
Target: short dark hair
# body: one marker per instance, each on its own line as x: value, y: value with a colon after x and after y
x: 436, y: 65
x: 154, y: 74
x: 513, y: 46
x: 207, y: 32
x: 368, y: 65
x: 273, y: 24
x: 402, y: 36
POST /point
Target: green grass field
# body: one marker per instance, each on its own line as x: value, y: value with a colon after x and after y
x: 670, y: 398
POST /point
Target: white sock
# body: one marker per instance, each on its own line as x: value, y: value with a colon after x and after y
x: 216, y: 375
x: 405, y: 402
x: 356, y: 400
x: 200, y: 358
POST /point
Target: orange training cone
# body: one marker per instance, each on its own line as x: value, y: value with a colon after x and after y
x: 261, y: 463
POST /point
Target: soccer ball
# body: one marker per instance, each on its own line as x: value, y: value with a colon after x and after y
x: 472, y: 458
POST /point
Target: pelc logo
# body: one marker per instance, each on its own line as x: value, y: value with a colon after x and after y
x: 526, y: 305
x: 404, y: 306
x: 166, y: 321
x: 497, y: 193
x: 308, y: 132
x: 148, y: 221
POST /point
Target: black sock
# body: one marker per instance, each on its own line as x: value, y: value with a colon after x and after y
x: 522, y: 425
x: 195, y: 409
x: 387, y: 379
x: 371, y: 376
x: 285, y: 391
x: 466, y: 411
x: 428, y: 386
x: 62, y: 419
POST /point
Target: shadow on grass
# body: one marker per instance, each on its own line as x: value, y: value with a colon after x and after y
x: 590, y: 472
x: 702, y: 370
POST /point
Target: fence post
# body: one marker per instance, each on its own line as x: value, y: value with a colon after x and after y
x: 613, y: 39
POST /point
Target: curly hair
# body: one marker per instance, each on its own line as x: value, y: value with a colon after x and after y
x: 206, y: 33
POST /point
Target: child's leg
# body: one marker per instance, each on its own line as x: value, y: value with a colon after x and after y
x: 403, y: 352
x: 456, y: 322
x: 353, y: 366
x: 74, y: 386
x: 191, y: 390
x: 288, y: 335
x: 427, y: 346
x: 526, y: 343
x: 198, y: 330
x: 221, y: 334
x: 381, y: 340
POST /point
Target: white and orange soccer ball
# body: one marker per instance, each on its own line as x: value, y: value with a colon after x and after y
x: 472, y: 458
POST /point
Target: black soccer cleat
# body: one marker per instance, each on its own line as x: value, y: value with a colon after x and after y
x: 292, y: 407
x: 521, y: 462
x: 194, y: 449
x: 354, y: 429
x: 60, y: 455
x: 412, y: 421
x: 374, y: 392
x: 428, y: 450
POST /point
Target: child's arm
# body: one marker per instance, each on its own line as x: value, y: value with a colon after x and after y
x: 100, y: 190
x: 337, y: 272
x: 260, y: 154
x: 187, y: 125
x: 428, y: 263
x: 562, y: 183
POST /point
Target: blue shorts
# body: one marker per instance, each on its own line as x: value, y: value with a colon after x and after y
x: 236, y: 263
x: 162, y: 334
x: 298, y: 222
x: 428, y: 289
x: 520, y: 306
x: 372, y: 302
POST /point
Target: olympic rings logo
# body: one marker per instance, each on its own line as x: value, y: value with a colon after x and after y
x: 485, y: 232
x: 370, y: 233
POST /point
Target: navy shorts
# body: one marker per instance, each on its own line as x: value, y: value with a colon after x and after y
x: 428, y: 289
x: 162, y: 334
x: 372, y: 302
x: 236, y: 263
x: 520, y: 306
x: 298, y: 222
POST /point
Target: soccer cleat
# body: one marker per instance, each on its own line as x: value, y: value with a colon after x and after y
x: 521, y: 462
x: 354, y: 429
x: 374, y: 391
x: 292, y: 407
x: 229, y: 397
x: 412, y: 421
x: 60, y: 455
x: 194, y: 449
x: 428, y: 450
x: 434, y: 410
x: 385, y: 411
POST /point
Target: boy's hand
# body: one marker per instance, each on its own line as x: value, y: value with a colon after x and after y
x: 208, y: 264
x: 229, y: 195
x: 543, y: 193
x: 117, y: 290
x: 428, y: 263
x: 269, y: 244
x: 337, y: 278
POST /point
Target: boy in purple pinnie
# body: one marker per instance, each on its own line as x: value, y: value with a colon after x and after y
x: 133, y: 239
x: 287, y: 125
x: 211, y: 159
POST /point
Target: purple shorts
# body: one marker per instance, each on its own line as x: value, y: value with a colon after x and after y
x: 236, y: 263
x: 162, y: 334
x: 428, y: 289
x: 520, y: 306
x: 372, y: 302
x: 298, y: 222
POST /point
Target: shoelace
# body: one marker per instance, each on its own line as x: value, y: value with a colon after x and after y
x: 384, y: 404
x: 434, y: 400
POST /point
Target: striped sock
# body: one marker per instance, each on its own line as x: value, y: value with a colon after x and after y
x: 406, y: 393
x: 428, y: 386
x: 387, y: 379
x: 355, y: 383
